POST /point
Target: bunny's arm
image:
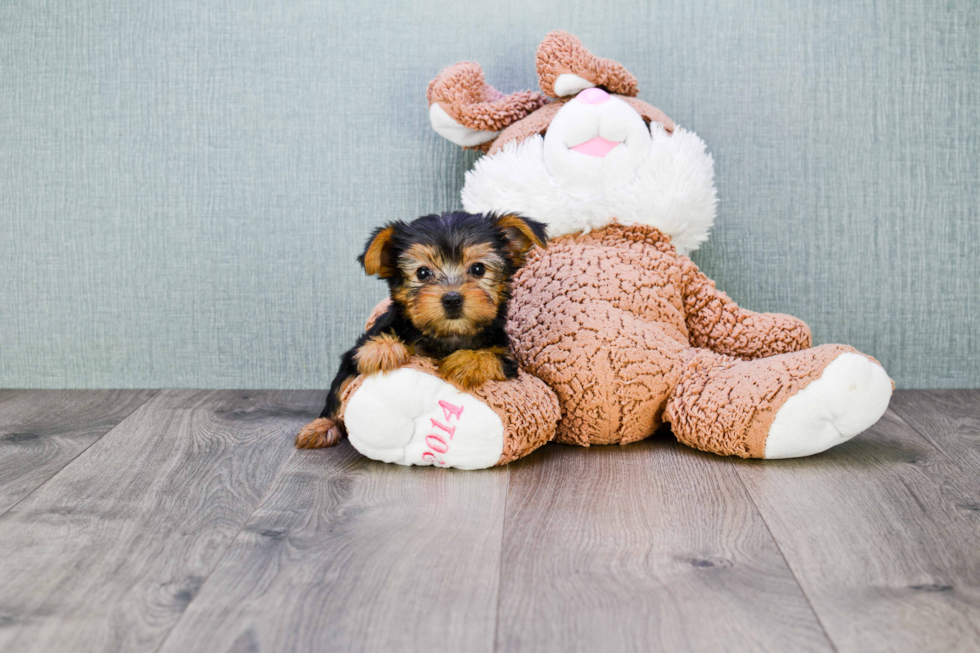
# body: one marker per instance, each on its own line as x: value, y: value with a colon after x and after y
x: 717, y: 323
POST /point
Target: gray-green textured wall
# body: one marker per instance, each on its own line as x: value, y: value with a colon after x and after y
x: 184, y: 185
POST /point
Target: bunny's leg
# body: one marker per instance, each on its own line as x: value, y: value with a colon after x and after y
x: 785, y: 406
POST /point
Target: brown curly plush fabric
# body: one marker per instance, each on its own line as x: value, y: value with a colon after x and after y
x: 717, y: 323
x: 725, y: 405
x: 527, y: 408
x: 612, y: 320
x: 561, y: 52
x: 463, y: 93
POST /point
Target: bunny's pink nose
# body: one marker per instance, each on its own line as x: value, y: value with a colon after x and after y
x: 593, y: 96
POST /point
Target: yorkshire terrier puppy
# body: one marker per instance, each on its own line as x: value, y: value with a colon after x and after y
x: 449, y: 277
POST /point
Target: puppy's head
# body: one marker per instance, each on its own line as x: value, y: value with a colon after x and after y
x: 450, y: 273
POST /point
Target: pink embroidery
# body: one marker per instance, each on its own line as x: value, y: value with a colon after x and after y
x: 450, y: 409
x: 435, y: 442
x: 448, y: 429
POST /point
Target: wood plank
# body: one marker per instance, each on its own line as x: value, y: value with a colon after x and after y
x: 948, y: 419
x: 41, y: 431
x: 882, y: 532
x: 348, y: 554
x: 108, y: 553
x: 648, y: 547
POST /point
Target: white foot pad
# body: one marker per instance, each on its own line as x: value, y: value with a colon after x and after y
x: 851, y: 395
x: 413, y: 418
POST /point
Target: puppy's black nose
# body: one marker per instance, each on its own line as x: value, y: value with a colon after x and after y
x: 452, y: 301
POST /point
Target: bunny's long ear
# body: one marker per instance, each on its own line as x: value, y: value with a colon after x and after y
x: 565, y: 67
x: 466, y: 110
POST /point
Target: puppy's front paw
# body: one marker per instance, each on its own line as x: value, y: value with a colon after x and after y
x: 319, y: 433
x: 471, y: 368
x: 382, y: 353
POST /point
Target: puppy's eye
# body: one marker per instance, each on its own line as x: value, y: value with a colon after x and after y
x: 477, y: 269
x: 423, y: 274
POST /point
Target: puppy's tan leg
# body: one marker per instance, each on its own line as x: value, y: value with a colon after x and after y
x: 382, y: 353
x: 321, y: 432
x: 471, y: 368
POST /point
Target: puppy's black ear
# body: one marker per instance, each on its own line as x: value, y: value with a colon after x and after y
x: 522, y: 234
x: 379, y: 255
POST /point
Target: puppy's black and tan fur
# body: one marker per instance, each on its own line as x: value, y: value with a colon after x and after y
x: 449, y: 277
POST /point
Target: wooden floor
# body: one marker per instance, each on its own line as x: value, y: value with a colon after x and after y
x: 183, y: 521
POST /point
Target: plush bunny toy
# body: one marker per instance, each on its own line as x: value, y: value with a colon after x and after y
x: 616, y: 330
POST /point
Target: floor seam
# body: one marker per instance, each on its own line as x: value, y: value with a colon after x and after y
x: 76, y: 456
x: 782, y: 555
x: 500, y: 566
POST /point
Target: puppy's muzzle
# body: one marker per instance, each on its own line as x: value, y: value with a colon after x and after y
x: 452, y: 302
